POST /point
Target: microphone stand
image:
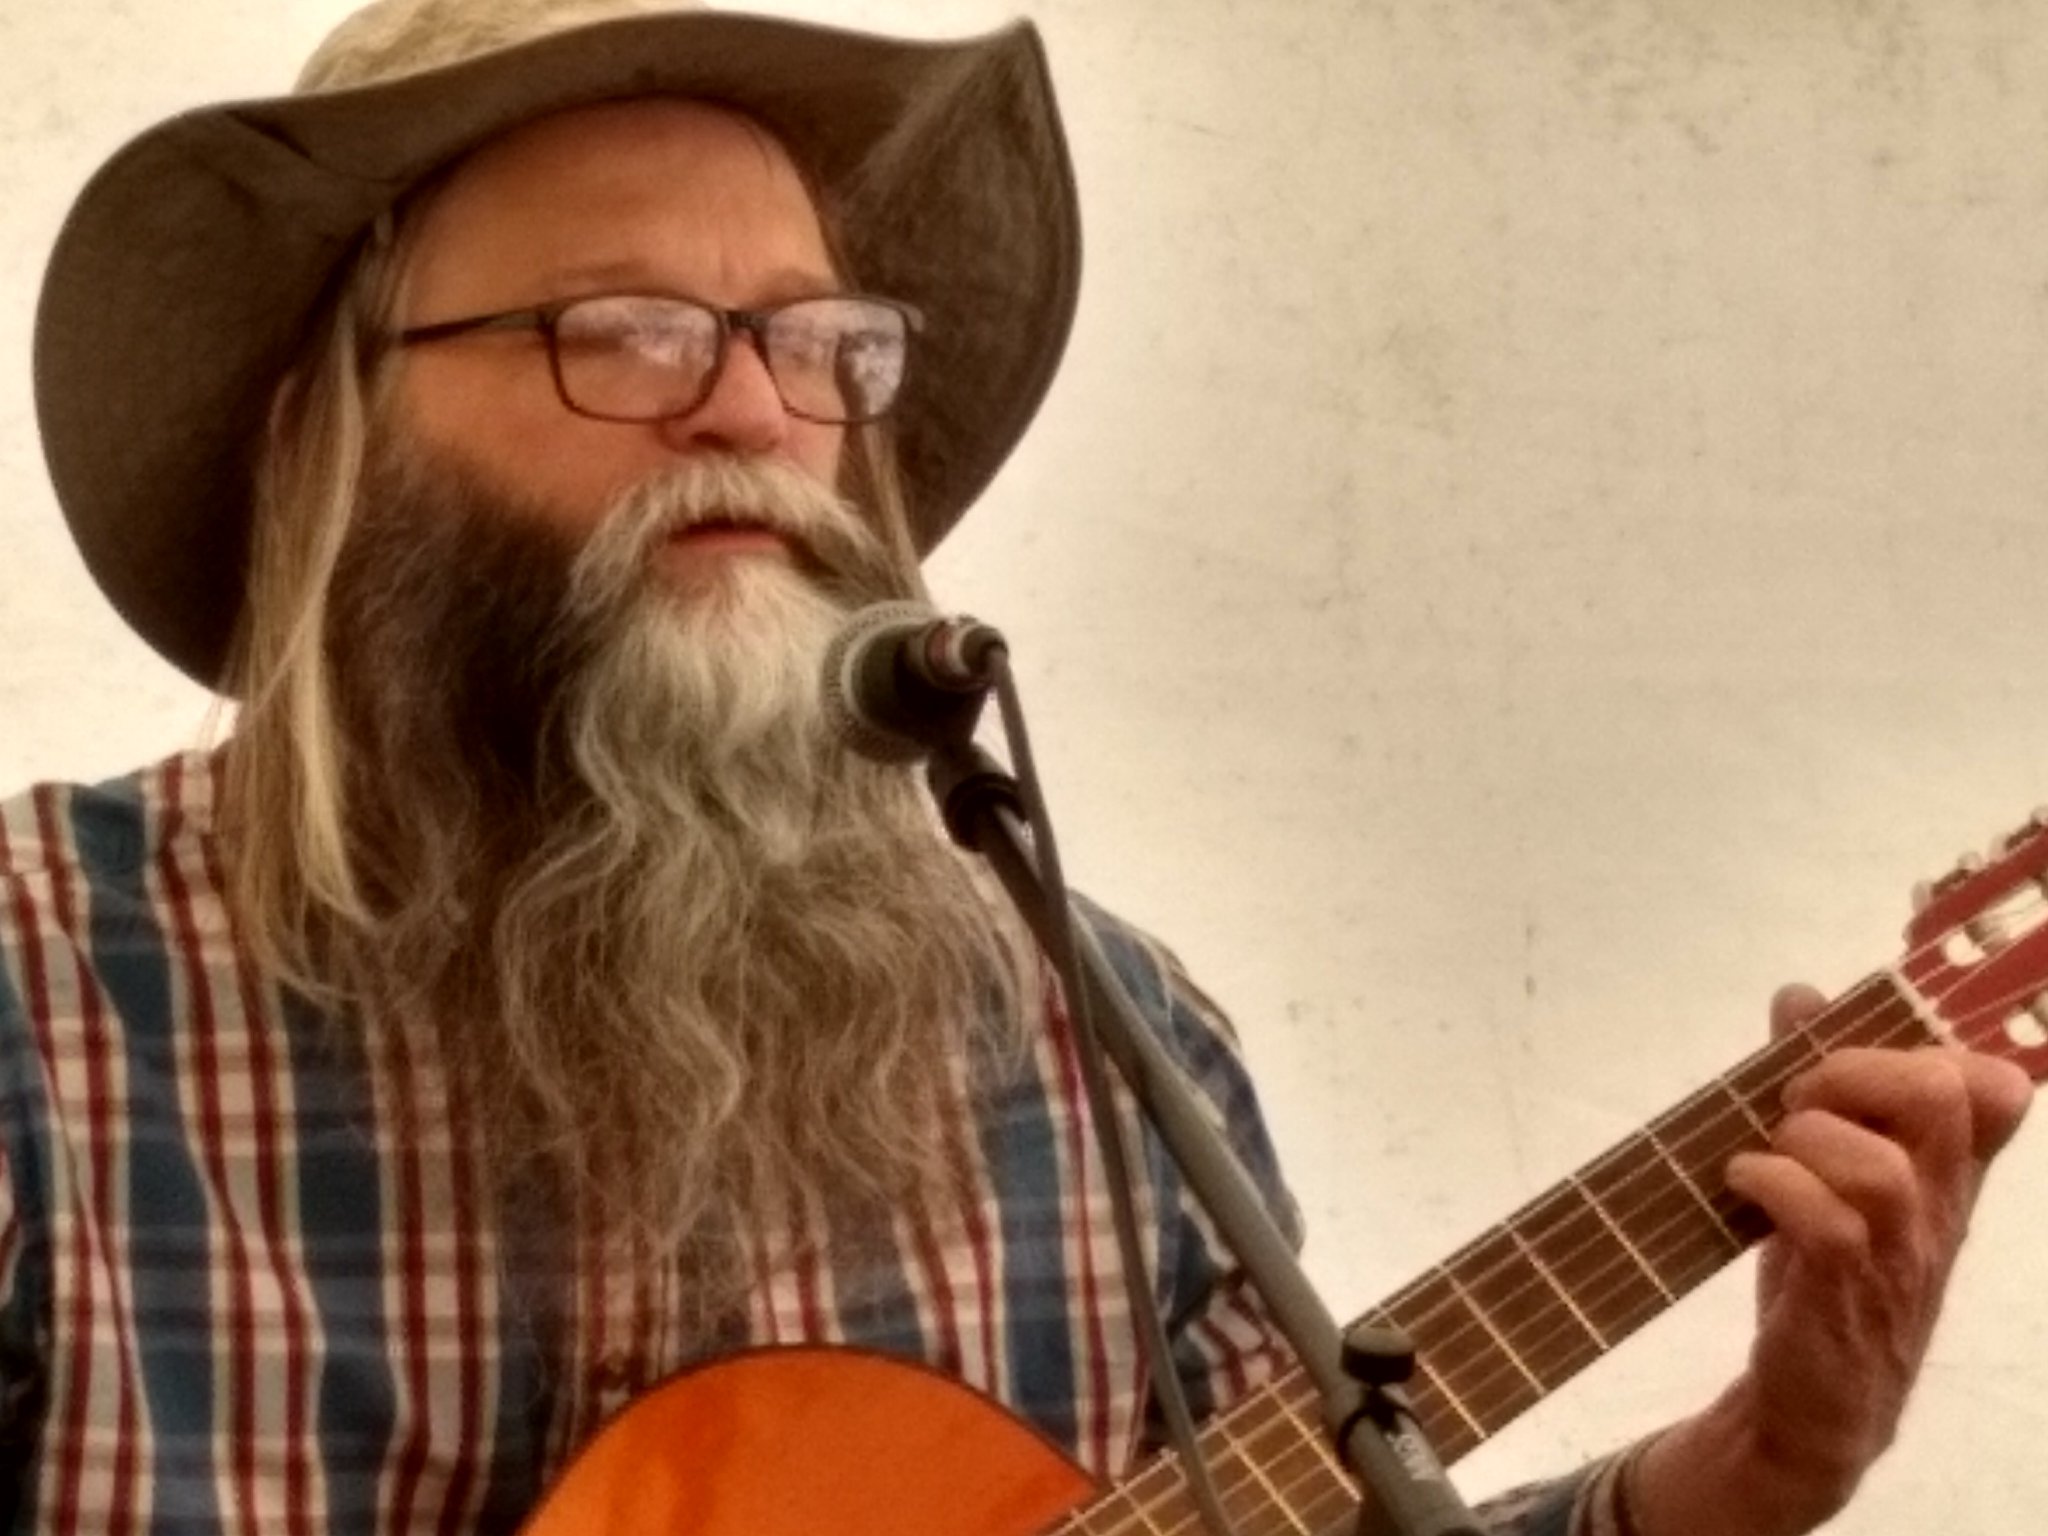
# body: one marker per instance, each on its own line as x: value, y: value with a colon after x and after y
x: 1358, y: 1373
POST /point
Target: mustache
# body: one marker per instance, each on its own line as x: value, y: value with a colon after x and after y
x: 833, y: 541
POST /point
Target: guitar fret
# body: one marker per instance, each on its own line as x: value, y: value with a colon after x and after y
x: 1536, y: 1263
x: 1312, y: 1434
x: 1271, y: 1473
x: 1759, y: 1083
x: 1742, y: 1105
x: 1513, y: 1355
x: 1579, y: 1248
x: 1135, y: 1515
x: 1621, y: 1237
x: 1653, y: 1195
x: 1429, y: 1379
x: 1465, y: 1352
x: 1692, y: 1188
x: 1234, y: 1446
x: 1547, y: 1333
x: 1874, y: 1013
x: 1800, y: 1042
x: 1296, y: 1461
x: 1321, y: 1492
x: 1276, y: 1500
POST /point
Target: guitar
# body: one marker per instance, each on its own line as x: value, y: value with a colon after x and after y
x: 880, y: 1445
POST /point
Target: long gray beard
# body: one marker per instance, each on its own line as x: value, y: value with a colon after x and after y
x: 685, y: 960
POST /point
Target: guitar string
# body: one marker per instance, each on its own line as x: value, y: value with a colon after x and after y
x: 1330, y: 1486
x: 1301, y: 1498
x: 1582, y: 1344
x: 1476, y: 1319
x: 1304, y: 1502
x: 1148, y: 1504
x: 1281, y: 1507
x: 1583, y: 1341
x: 1849, y: 1023
x: 1533, y: 1365
x: 1153, y: 1489
x: 1906, y: 1029
x: 1632, y: 1251
x: 1612, y: 1291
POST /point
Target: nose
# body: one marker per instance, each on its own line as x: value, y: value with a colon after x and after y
x: 743, y: 414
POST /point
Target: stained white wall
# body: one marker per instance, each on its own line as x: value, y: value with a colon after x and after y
x: 1538, y: 540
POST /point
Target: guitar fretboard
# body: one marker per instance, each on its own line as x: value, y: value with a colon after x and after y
x: 1511, y: 1317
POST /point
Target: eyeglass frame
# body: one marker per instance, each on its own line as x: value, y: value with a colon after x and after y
x: 753, y: 322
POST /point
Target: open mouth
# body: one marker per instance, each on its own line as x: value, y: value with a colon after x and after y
x: 728, y: 530
x: 736, y: 537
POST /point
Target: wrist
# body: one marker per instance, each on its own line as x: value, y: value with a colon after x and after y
x: 1715, y: 1475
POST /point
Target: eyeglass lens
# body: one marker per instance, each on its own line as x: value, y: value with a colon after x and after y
x: 644, y: 357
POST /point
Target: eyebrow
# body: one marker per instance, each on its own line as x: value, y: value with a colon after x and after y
x: 782, y: 283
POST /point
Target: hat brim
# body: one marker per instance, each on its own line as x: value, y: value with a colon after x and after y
x: 184, y: 281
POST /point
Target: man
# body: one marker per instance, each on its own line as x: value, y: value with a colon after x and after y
x: 532, y: 998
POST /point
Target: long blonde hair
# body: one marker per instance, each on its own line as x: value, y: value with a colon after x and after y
x: 286, y: 808
x: 294, y: 881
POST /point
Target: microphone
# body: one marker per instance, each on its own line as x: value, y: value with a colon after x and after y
x: 901, y: 679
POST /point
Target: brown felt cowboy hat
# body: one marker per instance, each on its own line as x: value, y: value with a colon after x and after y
x: 184, y: 281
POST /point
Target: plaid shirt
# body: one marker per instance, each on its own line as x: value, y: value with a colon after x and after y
x: 246, y: 1284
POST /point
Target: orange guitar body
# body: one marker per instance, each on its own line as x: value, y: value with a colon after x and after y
x: 799, y: 1442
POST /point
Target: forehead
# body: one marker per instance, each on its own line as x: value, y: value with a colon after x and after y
x: 648, y: 183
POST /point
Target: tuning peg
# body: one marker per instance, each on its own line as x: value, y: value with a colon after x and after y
x: 1923, y: 895
x: 2028, y: 1026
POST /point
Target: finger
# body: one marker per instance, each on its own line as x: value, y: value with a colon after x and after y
x: 1920, y: 1099
x: 1869, y: 1173
x: 1942, y: 1103
x: 1804, y: 1212
x: 1795, y: 1006
x: 2000, y: 1093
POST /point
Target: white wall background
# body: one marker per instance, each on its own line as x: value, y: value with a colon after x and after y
x: 1538, y: 540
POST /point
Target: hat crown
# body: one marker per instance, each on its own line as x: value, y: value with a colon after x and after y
x: 395, y: 38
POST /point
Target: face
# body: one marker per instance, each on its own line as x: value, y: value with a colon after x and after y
x: 656, y: 195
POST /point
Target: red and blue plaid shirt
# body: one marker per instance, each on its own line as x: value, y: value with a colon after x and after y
x: 246, y: 1285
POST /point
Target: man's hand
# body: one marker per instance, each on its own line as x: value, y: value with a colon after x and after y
x: 1869, y: 1183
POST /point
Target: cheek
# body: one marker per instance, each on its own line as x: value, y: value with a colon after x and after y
x: 818, y: 450
x: 449, y: 395
x: 507, y: 427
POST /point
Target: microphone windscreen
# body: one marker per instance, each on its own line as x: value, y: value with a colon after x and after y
x: 860, y: 681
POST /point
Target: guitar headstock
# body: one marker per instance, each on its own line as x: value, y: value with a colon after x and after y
x: 1977, y: 948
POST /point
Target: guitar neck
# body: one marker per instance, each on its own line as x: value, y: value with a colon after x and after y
x: 1514, y: 1315
x: 1511, y: 1317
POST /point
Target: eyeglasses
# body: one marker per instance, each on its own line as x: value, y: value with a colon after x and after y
x: 650, y: 357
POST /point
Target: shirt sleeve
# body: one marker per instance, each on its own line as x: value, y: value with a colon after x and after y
x: 1590, y: 1502
x: 21, y: 1370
